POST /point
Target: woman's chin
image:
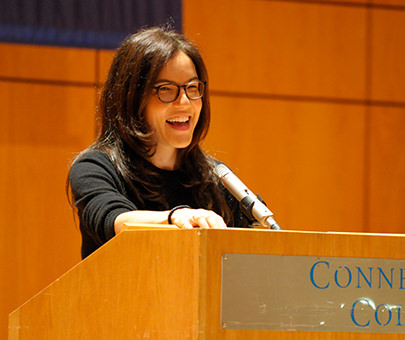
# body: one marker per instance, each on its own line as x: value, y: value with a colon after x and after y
x: 181, y: 143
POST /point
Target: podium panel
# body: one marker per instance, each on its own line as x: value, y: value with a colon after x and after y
x: 169, y: 284
x: 346, y: 245
x: 141, y: 284
x: 312, y: 293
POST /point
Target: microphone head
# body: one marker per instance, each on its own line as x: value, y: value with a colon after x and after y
x: 221, y: 170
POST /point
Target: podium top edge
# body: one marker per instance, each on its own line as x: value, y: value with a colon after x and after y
x: 145, y: 227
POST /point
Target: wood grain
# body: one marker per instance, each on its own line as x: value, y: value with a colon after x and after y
x: 387, y: 170
x: 388, y: 55
x: 43, y: 127
x: 305, y: 159
x: 281, y: 47
x: 167, y: 285
x: 62, y: 64
x: 141, y: 284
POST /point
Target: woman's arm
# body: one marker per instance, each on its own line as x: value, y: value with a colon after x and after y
x: 103, y: 208
x: 183, y: 218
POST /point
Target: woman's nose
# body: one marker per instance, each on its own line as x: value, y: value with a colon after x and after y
x: 182, y: 98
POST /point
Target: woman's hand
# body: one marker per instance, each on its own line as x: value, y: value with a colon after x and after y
x: 183, y: 218
x: 189, y: 218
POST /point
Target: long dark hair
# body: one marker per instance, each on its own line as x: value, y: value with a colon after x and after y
x: 125, y: 135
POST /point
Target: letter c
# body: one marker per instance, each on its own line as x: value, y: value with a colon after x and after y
x: 352, y: 313
x: 312, y: 274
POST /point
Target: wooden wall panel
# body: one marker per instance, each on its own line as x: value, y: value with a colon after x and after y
x: 387, y: 170
x: 305, y: 159
x: 330, y: 63
x: 36, y: 219
x: 288, y: 48
x: 47, y: 63
x: 388, y: 55
x: 105, y: 59
x: 46, y: 118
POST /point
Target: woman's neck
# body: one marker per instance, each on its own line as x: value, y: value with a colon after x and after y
x: 164, y: 158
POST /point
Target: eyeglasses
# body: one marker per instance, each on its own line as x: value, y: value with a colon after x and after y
x: 168, y: 93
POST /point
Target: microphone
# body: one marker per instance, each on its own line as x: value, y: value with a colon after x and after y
x: 252, y: 205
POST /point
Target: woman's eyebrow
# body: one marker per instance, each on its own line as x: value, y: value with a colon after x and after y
x: 173, y: 82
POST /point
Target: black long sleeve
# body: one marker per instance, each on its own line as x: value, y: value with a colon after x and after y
x: 100, y: 195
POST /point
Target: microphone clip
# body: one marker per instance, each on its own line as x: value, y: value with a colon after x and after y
x: 246, y: 206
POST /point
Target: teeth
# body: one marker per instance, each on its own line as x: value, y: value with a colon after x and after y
x: 178, y: 119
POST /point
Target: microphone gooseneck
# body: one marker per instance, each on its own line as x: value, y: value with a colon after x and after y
x: 250, y: 203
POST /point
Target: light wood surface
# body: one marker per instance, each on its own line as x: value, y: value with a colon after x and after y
x: 47, y: 117
x: 142, y: 284
x: 387, y: 169
x: 278, y: 47
x: 305, y: 159
x: 105, y: 60
x: 47, y: 63
x: 138, y: 226
x: 167, y: 285
x: 297, y: 86
x: 388, y: 55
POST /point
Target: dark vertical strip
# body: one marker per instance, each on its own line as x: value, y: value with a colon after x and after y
x: 368, y: 116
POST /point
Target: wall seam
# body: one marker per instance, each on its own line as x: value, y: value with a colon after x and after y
x: 298, y: 98
x: 367, y: 117
x: 35, y: 81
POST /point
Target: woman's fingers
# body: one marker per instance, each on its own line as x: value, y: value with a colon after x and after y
x: 216, y: 222
x: 201, y: 218
x: 202, y: 222
x: 184, y: 224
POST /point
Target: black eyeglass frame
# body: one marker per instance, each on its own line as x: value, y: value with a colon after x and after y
x: 202, y: 83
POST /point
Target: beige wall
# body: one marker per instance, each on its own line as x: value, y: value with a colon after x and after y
x: 308, y: 109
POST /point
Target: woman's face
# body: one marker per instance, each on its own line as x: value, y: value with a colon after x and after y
x: 173, y: 123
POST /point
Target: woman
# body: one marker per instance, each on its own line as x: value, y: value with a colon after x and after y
x: 147, y: 166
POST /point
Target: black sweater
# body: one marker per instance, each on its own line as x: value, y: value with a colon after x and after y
x: 100, y: 195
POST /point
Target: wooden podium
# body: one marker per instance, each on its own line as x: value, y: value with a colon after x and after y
x: 166, y: 284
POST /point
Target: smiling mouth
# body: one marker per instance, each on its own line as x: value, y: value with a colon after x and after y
x: 179, y: 121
